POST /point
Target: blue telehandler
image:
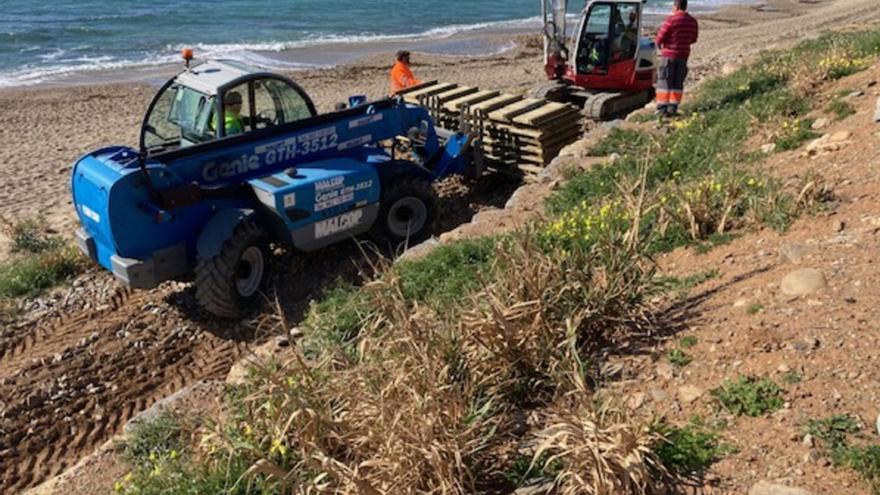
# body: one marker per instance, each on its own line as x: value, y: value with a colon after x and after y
x: 232, y: 159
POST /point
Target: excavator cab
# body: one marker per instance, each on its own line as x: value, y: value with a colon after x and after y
x: 611, y: 69
x: 607, y: 45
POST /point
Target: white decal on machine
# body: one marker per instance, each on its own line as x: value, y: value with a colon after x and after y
x: 339, y: 194
x: 90, y: 213
x: 290, y: 200
x: 347, y: 145
x: 338, y: 224
x: 331, y: 183
x: 273, y: 153
x: 354, y: 124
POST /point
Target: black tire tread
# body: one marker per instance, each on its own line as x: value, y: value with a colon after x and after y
x: 215, y: 285
x: 405, y: 187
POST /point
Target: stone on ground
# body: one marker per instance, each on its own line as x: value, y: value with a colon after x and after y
x: 820, y: 124
x: 689, y: 394
x: 767, y: 488
x: 804, y: 282
x: 877, y: 111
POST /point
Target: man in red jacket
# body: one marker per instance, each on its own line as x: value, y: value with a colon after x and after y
x: 674, y: 39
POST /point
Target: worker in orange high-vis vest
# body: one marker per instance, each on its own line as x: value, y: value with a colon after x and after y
x: 401, y: 75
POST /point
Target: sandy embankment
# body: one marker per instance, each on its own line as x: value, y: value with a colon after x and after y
x: 43, y: 130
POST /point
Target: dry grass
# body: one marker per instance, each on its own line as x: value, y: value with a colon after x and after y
x: 433, y: 403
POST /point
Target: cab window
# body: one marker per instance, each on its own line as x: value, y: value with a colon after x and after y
x: 178, y: 118
x: 625, y: 33
x: 593, y: 46
x: 278, y: 103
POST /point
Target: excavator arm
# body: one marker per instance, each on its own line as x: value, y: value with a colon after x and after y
x: 556, y: 50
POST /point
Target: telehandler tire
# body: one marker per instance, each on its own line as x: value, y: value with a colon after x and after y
x: 229, y: 284
x: 406, y: 214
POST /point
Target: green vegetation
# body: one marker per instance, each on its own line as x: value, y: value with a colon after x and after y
x: 451, y: 350
x: 833, y: 431
x: 865, y: 461
x: 795, y: 133
x: 714, y: 241
x: 40, y: 261
x: 527, y: 468
x: 678, y: 358
x: 692, y: 449
x: 756, y: 308
x: 834, y: 434
x: 841, y: 109
x: 792, y: 377
x: 163, y: 464
x: 749, y: 396
x: 688, y: 341
x: 674, y: 284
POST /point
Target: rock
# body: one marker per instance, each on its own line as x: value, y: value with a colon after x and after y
x: 783, y: 368
x: 614, y: 157
x: 804, y: 282
x: 856, y: 94
x: 260, y: 356
x: 840, y: 136
x: 637, y: 400
x: 577, y: 149
x: 665, y: 371
x: 541, y: 489
x: 806, y: 344
x: 658, y: 394
x: 728, y: 69
x: 420, y: 250
x: 282, y: 341
x: 808, y: 441
x: 35, y: 399
x: 767, y: 488
x: 877, y: 424
x: 741, y: 303
x: 813, y: 455
x: 877, y: 112
x: 829, y: 142
x: 820, y: 124
x: 768, y: 148
x: 295, y: 333
x: 793, y: 253
x: 612, y: 124
x: 689, y: 394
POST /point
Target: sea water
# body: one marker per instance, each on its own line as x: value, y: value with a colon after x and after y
x: 44, y: 41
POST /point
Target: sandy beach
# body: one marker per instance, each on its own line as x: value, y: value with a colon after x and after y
x: 43, y: 130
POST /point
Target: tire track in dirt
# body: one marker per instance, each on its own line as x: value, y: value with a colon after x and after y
x: 69, y: 384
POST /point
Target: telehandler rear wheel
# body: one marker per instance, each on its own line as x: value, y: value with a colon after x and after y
x: 407, y: 212
x: 229, y: 284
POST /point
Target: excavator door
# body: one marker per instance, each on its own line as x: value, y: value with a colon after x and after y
x: 607, y: 45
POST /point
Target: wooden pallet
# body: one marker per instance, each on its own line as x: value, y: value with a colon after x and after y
x: 525, y: 133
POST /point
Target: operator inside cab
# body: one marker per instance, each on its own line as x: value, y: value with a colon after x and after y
x: 232, y: 113
x: 401, y: 75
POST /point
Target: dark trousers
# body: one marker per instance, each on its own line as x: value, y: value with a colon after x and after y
x: 670, y: 84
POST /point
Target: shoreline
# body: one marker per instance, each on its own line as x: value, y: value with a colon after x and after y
x: 477, y: 40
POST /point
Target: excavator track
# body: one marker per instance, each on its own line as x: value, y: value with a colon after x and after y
x: 605, y: 106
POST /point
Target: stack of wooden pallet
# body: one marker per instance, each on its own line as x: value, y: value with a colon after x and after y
x: 517, y: 132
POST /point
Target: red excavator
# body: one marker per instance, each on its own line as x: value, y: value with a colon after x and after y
x: 612, y: 69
